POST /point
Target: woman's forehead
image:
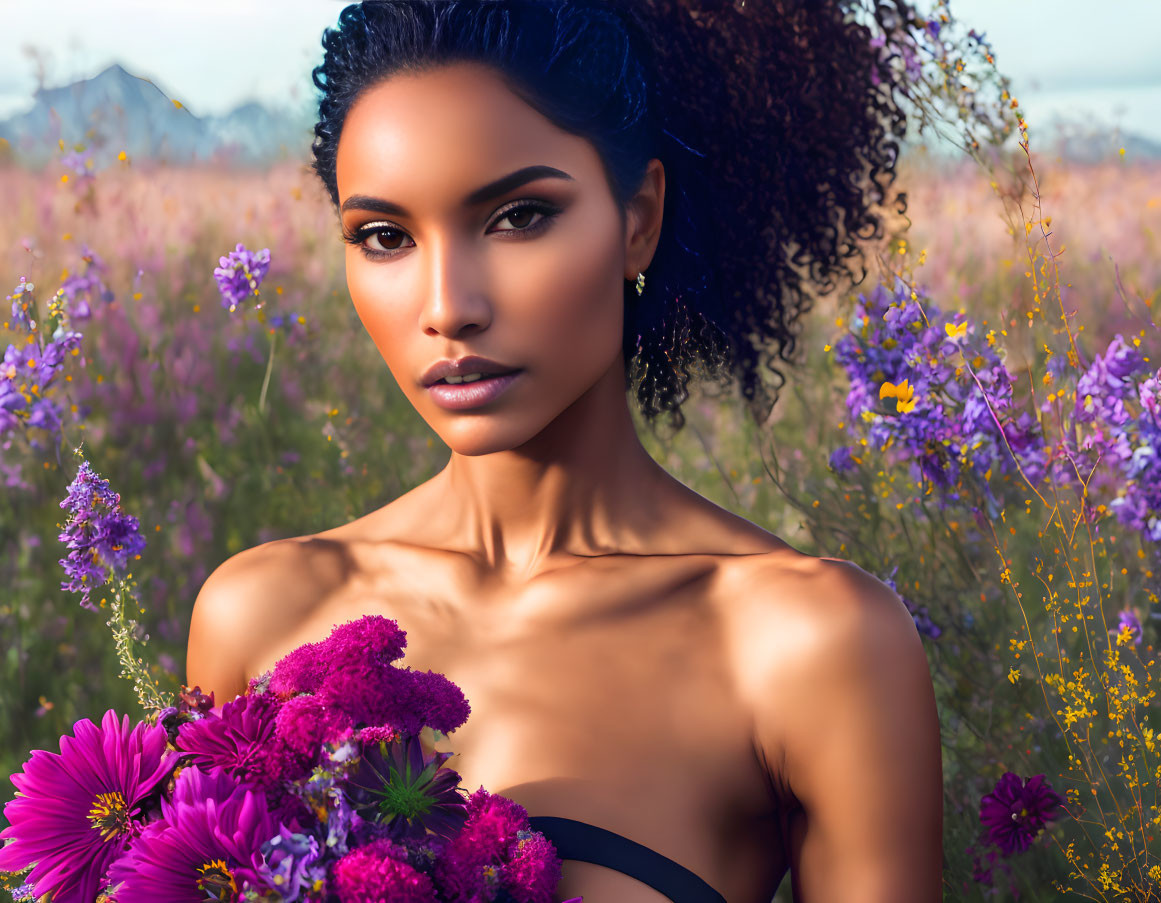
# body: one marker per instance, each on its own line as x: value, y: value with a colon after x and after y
x: 449, y: 129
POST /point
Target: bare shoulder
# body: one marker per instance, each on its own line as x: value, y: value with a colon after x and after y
x: 250, y: 602
x: 844, y: 719
x: 801, y: 627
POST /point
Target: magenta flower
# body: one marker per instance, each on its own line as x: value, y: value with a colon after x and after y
x: 335, y: 686
x: 1016, y: 811
x: 235, y: 740
x: 75, y: 811
x: 496, y: 849
x: 240, y: 274
x: 380, y: 871
x: 206, y: 846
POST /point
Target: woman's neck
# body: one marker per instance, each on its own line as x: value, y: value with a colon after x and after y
x: 583, y: 486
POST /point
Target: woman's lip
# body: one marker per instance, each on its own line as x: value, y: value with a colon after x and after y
x: 462, y: 396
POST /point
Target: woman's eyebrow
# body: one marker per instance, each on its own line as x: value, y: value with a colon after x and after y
x: 488, y: 192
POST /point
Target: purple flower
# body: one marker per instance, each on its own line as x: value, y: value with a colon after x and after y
x: 293, y: 867
x: 75, y: 811
x: 27, y: 374
x: 23, y: 305
x: 240, y: 274
x: 841, y: 459
x: 207, y: 844
x: 408, y: 792
x: 380, y: 871
x: 79, y: 161
x: 1016, y: 811
x: 100, y: 535
x: 84, y: 289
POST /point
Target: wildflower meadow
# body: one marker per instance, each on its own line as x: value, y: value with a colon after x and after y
x: 978, y: 423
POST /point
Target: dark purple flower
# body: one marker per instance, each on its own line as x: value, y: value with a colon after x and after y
x: 75, y: 811
x: 407, y: 791
x: 240, y: 273
x: 206, y: 846
x: 102, y: 537
x: 1016, y: 811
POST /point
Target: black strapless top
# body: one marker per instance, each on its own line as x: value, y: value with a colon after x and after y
x: 582, y: 842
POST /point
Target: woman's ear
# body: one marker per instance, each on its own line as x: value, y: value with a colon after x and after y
x: 644, y: 220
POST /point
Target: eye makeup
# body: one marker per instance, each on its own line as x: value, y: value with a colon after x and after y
x: 548, y: 213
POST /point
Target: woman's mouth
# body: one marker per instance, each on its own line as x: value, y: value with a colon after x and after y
x: 475, y: 390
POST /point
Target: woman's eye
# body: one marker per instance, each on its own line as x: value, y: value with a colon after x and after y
x: 374, y: 235
x: 521, y: 216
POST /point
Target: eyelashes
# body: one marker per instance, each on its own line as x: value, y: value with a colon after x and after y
x: 548, y: 213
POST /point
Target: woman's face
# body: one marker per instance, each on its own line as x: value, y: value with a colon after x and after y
x: 529, y: 275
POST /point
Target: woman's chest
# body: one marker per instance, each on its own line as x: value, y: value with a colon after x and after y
x: 607, y: 701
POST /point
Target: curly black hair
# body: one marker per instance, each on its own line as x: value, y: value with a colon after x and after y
x: 777, y: 122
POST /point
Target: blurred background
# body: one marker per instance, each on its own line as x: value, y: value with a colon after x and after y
x: 242, y: 72
x: 141, y: 141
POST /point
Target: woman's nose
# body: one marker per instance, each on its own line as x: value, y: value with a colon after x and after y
x: 455, y: 302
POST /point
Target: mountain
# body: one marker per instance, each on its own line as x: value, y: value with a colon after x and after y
x: 1072, y: 140
x: 116, y: 111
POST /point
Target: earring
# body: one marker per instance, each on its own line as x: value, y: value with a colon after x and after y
x: 640, y: 284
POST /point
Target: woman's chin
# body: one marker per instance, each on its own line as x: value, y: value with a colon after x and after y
x: 472, y: 439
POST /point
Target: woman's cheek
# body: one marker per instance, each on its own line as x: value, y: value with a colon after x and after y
x: 379, y: 314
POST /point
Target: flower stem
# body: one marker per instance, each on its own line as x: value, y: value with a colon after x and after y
x: 269, y: 368
x: 149, y: 694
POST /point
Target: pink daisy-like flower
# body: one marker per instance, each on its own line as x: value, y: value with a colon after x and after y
x: 235, y: 739
x: 74, y: 813
x: 206, y: 846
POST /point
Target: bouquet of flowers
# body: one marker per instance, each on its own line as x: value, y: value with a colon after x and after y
x: 312, y: 786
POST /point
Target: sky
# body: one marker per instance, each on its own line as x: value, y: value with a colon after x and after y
x: 1093, y: 62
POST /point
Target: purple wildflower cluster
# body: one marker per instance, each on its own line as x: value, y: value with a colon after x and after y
x: 240, y: 273
x: 30, y: 369
x: 314, y: 786
x: 926, y: 389
x: 100, y: 536
x: 929, y: 390
x: 1117, y: 413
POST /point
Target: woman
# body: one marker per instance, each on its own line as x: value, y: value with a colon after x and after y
x: 547, y: 203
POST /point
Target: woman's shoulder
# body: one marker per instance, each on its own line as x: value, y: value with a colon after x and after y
x: 793, y: 601
x: 251, y: 601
